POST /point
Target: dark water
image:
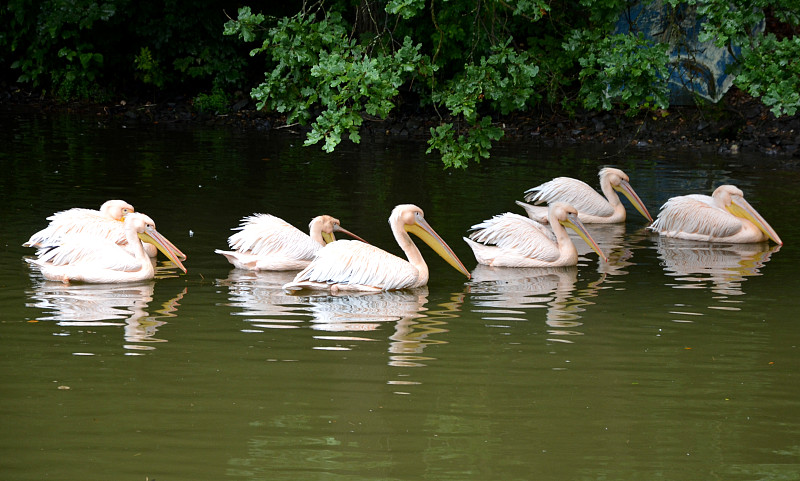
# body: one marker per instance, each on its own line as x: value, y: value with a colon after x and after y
x: 672, y: 361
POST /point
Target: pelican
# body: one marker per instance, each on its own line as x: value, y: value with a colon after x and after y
x: 512, y: 240
x: 88, y: 258
x: 77, y: 220
x: 107, y: 222
x: 724, y: 217
x: 592, y: 207
x: 267, y: 243
x: 355, y: 266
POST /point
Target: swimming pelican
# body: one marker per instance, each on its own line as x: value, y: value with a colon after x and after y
x: 723, y: 217
x: 87, y: 221
x: 592, y: 207
x: 103, y: 223
x: 512, y: 240
x: 355, y: 266
x: 267, y: 243
x: 88, y: 258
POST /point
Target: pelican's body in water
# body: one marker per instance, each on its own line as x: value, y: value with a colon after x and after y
x: 355, y: 266
x: 593, y: 208
x: 512, y: 240
x: 88, y: 258
x: 725, y: 216
x: 105, y: 223
x: 267, y: 243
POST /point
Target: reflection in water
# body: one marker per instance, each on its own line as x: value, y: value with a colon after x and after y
x: 508, y: 293
x: 613, y: 242
x: 262, y: 300
x: 724, y: 266
x: 85, y: 305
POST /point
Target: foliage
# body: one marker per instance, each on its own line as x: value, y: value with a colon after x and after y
x: 334, y: 64
x: 622, y: 67
x: 771, y: 70
x: 216, y: 101
x: 77, y: 49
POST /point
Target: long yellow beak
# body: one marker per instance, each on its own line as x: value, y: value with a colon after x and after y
x: 328, y: 238
x: 741, y: 208
x: 425, y: 232
x: 626, y: 190
x: 573, y: 223
x: 152, y: 236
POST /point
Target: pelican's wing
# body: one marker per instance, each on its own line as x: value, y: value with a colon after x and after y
x: 78, y: 221
x: 571, y: 191
x: 695, y: 217
x: 523, y: 236
x: 357, y: 263
x: 267, y: 235
x: 82, y: 249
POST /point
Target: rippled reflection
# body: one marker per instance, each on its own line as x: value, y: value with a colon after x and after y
x: 719, y: 267
x: 263, y: 302
x: 94, y: 305
x: 503, y: 294
x: 260, y: 297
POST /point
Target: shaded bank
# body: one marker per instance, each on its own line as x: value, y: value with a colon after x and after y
x: 738, y: 123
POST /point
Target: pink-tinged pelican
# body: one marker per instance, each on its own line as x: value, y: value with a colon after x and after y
x: 724, y: 217
x: 592, y: 207
x: 355, y: 266
x: 512, y: 240
x: 106, y: 223
x: 267, y: 243
x: 82, y: 221
x: 88, y: 258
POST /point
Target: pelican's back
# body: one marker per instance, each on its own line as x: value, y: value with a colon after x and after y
x: 571, y: 191
x: 267, y: 235
x: 357, y: 265
x: 77, y: 221
x: 695, y: 217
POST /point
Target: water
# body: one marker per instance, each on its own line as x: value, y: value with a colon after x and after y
x: 672, y: 361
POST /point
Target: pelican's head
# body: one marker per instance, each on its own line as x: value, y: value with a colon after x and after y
x: 116, y: 209
x: 327, y: 225
x: 620, y: 182
x: 146, y: 230
x: 567, y: 216
x: 732, y: 199
x: 413, y: 221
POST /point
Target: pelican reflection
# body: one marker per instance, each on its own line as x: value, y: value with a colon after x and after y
x: 720, y: 267
x: 503, y: 294
x: 339, y: 321
x: 96, y: 305
x: 258, y: 296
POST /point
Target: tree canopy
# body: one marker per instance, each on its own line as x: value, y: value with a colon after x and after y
x: 332, y: 64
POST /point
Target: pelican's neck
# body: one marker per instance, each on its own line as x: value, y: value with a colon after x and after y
x: 565, y: 245
x: 412, y: 253
x: 611, y: 195
x: 315, y: 232
x: 136, y: 247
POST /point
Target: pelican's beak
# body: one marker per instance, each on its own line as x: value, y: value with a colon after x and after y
x: 152, y: 236
x: 328, y: 238
x: 424, y: 231
x: 741, y: 208
x: 626, y: 190
x: 573, y: 223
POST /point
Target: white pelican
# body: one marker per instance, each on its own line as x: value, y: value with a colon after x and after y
x: 592, y: 207
x: 267, y: 243
x: 723, y: 217
x: 356, y: 266
x: 88, y: 258
x: 103, y: 223
x: 512, y: 240
x: 87, y: 221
